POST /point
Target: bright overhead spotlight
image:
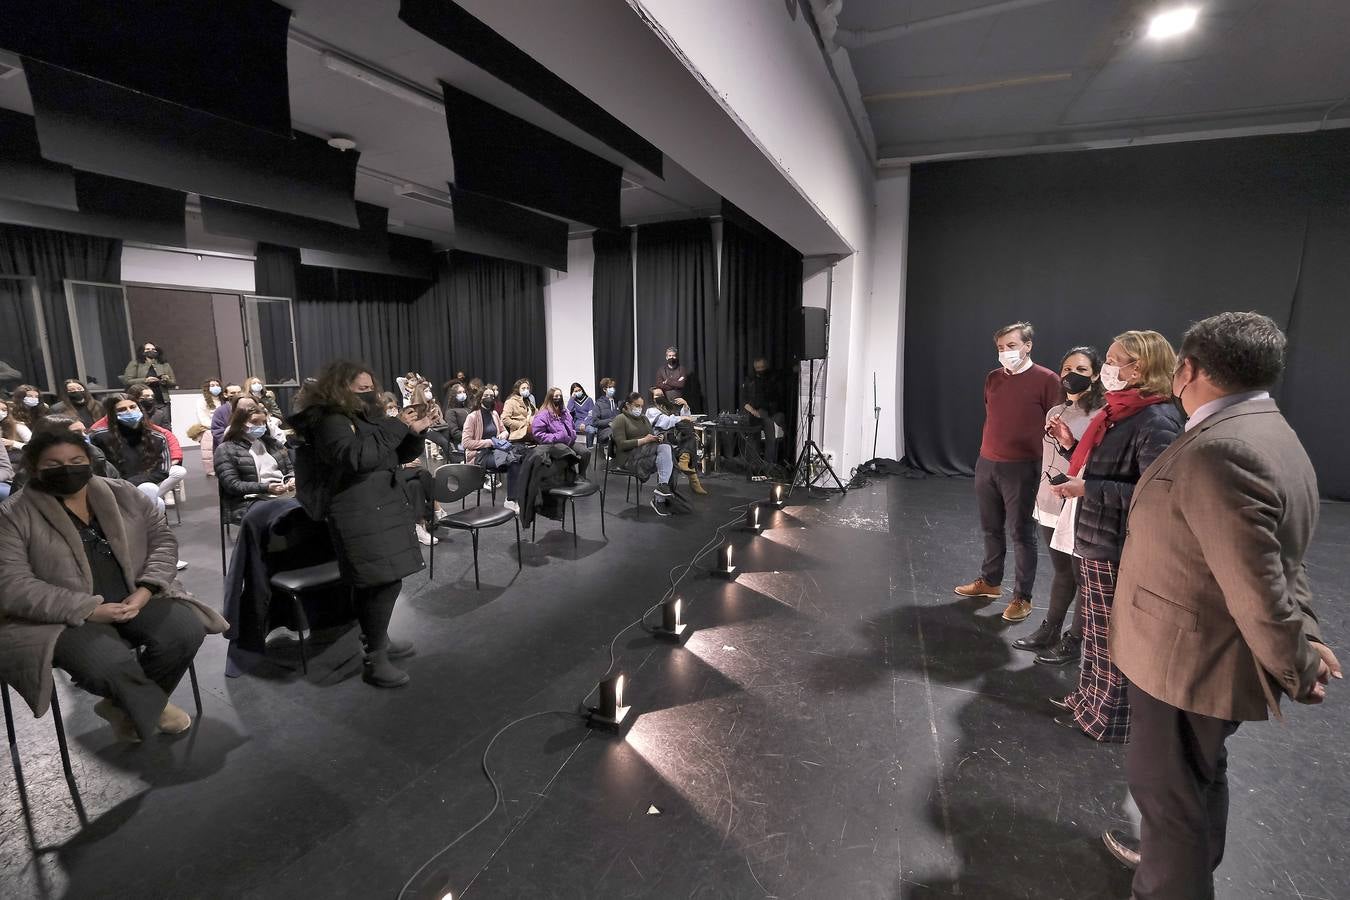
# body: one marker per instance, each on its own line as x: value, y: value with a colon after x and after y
x: 1172, y: 22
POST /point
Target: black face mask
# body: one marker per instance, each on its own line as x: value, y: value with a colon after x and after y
x: 1075, y: 383
x: 152, y: 354
x: 673, y: 361
x: 369, y: 398
x: 77, y: 397
x: 488, y: 402
x: 63, y: 481
x: 148, y: 405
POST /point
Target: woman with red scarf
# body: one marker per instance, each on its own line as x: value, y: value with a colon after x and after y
x: 1137, y: 424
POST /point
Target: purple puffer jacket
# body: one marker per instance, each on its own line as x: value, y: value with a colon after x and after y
x: 551, y: 428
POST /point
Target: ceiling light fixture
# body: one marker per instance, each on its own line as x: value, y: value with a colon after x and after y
x: 1172, y: 22
x: 339, y: 142
x: 381, y: 82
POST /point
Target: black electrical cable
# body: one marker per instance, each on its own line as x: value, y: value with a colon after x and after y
x: 718, y: 535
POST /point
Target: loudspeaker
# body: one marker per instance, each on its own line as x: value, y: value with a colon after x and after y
x: 813, y: 332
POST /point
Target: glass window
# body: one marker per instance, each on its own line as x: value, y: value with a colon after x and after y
x: 101, y: 329
x: 269, y: 340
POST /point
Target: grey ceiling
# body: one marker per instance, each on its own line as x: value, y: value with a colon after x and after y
x: 401, y: 142
x: 1082, y: 71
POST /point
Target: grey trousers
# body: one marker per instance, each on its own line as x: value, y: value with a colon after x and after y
x: 1006, y: 492
x: 102, y: 659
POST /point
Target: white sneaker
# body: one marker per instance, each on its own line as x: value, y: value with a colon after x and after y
x: 424, y: 537
x: 182, y: 564
x: 441, y: 514
x: 512, y: 505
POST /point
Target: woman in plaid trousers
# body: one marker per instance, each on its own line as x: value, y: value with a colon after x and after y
x: 1137, y: 424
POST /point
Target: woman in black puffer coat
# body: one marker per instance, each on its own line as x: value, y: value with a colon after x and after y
x: 1123, y: 439
x: 250, y: 463
x: 347, y: 474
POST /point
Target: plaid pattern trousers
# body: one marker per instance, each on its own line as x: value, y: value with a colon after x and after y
x: 1100, y: 705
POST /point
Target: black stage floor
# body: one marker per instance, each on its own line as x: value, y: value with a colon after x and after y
x: 838, y: 726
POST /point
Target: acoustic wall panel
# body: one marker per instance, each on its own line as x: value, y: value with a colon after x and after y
x: 491, y: 227
x: 451, y: 26
x: 99, y: 127
x: 222, y: 57
x: 503, y: 156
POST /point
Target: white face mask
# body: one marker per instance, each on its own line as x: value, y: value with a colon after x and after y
x: 257, y: 388
x: 4, y: 414
x: 31, y: 402
x: 391, y: 413
x: 524, y: 392
x: 609, y: 392
x: 1010, y: 359
x: 1111, y: 379
x: 427, y: 395
x: 461, y: 397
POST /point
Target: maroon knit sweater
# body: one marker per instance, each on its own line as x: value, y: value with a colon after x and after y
x: 1015, y: 407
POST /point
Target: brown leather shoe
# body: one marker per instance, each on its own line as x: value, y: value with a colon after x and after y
x: 684, y: 464
x: 1018, y: 609
x: 979, y: 588
x: 174, y: 720
x: 114, y: 715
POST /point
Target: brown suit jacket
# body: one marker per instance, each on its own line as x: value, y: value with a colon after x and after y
x: 1212, y: 604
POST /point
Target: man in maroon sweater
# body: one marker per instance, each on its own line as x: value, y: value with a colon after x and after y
x: 1017, y: 397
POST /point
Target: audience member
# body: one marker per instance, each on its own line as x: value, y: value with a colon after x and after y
x: 298, y: 401
x: 518, y: 410
x: 1017, y: 397
x: 1079, y: 375
x: 639, y: 451
x: 97, y: 461
x: 673, y: 378
x: 220, y: 417
x: 139, y: 451
x: 762, y: 397
x: 6, y: 476
x: 485, y: 440
x: 1137, y: 424
x: 553, y: 423
x: 672, y: 421
x: 14, y: 433
x: 606, y: 408
x: 457, y: 411
x: 28, y: 406
x: 1217, y: 606
x: 418, y: 483
x: 347, y: 474
x: 200, y: 431
x: 88, y: 569
x: 582, y: 410
x: 77, y: 402
x: 250, y: 464
x: 156, y: 412
x: 176, y: 471
x: 254, y: 387
x: 152, y: 368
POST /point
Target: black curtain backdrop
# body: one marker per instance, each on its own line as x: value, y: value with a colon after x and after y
x: 759, y: 313
x: 1086, y: 245
x: 51, y: 257
x: 612, y: 308
x: 677, y: 303
x: 482, y: 315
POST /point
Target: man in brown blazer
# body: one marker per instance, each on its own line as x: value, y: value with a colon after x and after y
x: 1212, y: 619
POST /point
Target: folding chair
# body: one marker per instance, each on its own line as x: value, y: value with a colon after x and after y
x: 455, y: 482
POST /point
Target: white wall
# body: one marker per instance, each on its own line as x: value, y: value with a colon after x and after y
x: 886, y: 314
x: 568, y: 320
x: 184, y: 269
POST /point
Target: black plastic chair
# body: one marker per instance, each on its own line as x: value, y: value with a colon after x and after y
x: 455, y: 482
x: 294, y: 583
x: 61, y: 729
x: 634, y: 480
x: 230, y: 518
x: 569, y: 494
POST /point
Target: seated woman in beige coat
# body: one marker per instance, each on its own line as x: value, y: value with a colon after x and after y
x: 87, y: 566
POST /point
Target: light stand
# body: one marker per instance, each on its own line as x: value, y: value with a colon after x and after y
x: 811, y: 455
x: 876, y: 418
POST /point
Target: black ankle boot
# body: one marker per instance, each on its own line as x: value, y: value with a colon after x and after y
x: 380, y: 672
x: 1039, y: 639
x: 1068, y: 650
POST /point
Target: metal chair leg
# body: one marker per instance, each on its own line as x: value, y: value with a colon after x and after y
x: 520, y: 559
x: 432, y: 552
x: 61, y: 738
x: 602, y: 514
x: 474, y: 532
x: 196, y: 689
x: 9, y: 719
x: 574, y: 523
x: 301, y: 625
x: 534, y: 529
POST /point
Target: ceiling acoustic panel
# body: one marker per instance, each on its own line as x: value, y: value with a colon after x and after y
x: 226, y: 58
x: 110, y: 207
x: 407, y: 257
x: 454, y: 28
x: 503, y: 156
x: 99, y: 127
x: 24, y: 175
x: 503, y: 230
x: 268, y: 226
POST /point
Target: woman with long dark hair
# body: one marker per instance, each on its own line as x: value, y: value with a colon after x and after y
x: 250, y: 463
x: 77, y: 403
x: 28, y: 407
x: 1138, y: 422
x: 1080, y: 376
x: 348, y: 475
x: 134, y: 447
x: 200, y: 431
x: 151, y: 367
x: 582, y: 410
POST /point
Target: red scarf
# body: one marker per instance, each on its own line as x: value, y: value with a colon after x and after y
x: 1120, y: 405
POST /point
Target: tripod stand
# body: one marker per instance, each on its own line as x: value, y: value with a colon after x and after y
x: 811, y: 458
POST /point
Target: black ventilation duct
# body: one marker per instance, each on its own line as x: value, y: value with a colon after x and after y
x: 226, y: 58
x: 24, y: 175
x: 503, y: 156
x: 503, y: 230
x: 451, y: 26
x: 99, y: 127
x: 109, y: 207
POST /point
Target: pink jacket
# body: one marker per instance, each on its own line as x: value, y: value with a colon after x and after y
x: 551, y: 428
x: 473, y: 434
